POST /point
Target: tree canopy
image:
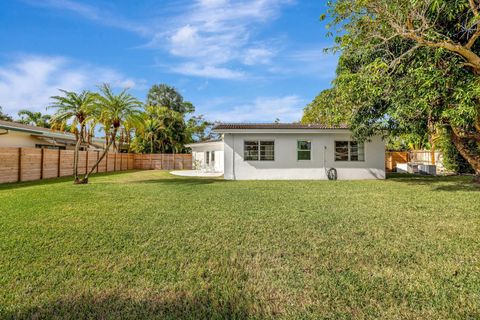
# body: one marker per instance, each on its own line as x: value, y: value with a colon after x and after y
x: 34, y: 118
x: 4, y: 116
x: 406, y: 67
x: 163, y: 95
x: 168, y: 124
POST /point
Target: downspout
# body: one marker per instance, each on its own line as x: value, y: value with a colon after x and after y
x: 233, y: 156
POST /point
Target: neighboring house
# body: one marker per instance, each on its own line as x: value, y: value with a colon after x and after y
x: 13, y: 134
x: 207, y: 155
x: 296, y: 151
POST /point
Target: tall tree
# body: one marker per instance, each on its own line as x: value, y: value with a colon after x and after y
x: 34, y: 118
x: 200, y: 129
x: 74, y: 110
x: 411, y: 66
x: 4, y: 116
x: 324, y: 110
x: 162, y: 95
x: 167, y: 109
x: 114, y: 111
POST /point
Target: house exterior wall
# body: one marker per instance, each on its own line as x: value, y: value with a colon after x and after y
x: 19, y: 140
x: 287, y: 167
x: 199, y: 156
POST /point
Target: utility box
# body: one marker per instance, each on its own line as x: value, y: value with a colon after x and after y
x: 427, y: 169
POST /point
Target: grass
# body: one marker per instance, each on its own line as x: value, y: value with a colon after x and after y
x: 149, y: 245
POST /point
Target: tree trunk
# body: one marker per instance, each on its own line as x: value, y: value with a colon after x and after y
x: 76, y: 155
x: 472, y: 158
x: 85, y: 178
x: 76, y: 180
x: 432, y: 154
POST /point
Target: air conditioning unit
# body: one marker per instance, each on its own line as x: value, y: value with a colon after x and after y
x: 427, y: 169
x: 412, y: 167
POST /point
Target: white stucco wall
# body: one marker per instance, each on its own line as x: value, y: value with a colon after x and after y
x: 287, y: 167
x: 199, y: 154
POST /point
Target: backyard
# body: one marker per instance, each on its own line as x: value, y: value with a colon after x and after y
x: 146, y: 244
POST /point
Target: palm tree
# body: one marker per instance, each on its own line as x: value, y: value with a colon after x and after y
x: 114, y: 111
x: 34, y: 118
x: 150, y: 131
x: 79, y: 109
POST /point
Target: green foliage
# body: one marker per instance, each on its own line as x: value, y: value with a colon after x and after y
x: 34, y: 118
x: 74, y: 110
x: 162, y: 95
x: 326, y: 109
x: 114, y: 110
x: 452, y: 159
x: 200, y: 129
x: 166, y: 127
x: 399, y: 74
x: 4, y: 116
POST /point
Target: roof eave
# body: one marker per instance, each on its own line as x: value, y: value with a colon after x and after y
x: 60, y: 135
x: 196, y: 144
x: 283, y: 131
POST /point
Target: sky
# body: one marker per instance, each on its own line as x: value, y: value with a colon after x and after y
x: 235, y: 60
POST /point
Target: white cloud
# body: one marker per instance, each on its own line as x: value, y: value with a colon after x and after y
x: 93, y: 13
x: 30, y: 81
x: 218, y: 32
x: 206, y: 71
x: 263, y: 109
x: 255, y: 56
x: 211, y: 34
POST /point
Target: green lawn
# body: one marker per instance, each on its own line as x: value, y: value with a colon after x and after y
x: 150, y: 245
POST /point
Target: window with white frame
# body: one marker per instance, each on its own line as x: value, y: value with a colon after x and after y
x: 304, y: 150
x: 207, y: 157
x: 349, y: 151
x: 213, y: 156
x: 256, y: 150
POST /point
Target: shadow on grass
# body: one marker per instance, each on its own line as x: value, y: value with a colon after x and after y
x: 17, y: 185
x: 157, y: 307
x: 437, y: 183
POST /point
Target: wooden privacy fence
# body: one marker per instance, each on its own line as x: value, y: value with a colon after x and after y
x: 163, y: 161
x: 417, y: 156
x: 28, y: 164
x: 394, y: 157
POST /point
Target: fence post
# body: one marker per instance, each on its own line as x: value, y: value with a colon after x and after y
x: 98, y: 157
x: 19, y: 165
x: 59, y: 163
x: 115, y: 162
x: 121, y: 161
x: 42, y: 160
x: 106, y: 162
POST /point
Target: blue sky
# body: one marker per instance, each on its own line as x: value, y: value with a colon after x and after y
x: 236, y: 61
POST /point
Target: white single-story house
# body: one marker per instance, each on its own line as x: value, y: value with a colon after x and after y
x: 290, y: 151
x: 18, y: 135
